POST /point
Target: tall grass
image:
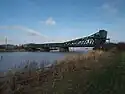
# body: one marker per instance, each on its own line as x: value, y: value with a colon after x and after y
x: 31, y: 72
x: 69, y: 76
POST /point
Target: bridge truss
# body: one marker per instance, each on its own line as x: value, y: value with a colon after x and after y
x: 94, y: 40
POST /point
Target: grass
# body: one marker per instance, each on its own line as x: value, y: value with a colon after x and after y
x: 110, y: 81
x: 83, y: 81
x: 107, y: 80
x: 97, y: 72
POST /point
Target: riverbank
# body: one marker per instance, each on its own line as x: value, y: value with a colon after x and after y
x: 97, y: 72
x: 3, y: 50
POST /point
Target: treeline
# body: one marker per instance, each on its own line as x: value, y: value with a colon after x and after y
x: 108, y: 46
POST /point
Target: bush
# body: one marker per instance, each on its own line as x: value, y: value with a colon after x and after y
x: 121, y: 46
x: 108, y: 46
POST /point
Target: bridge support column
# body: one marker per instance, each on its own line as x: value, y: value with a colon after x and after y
x: 64, y: 49
x: 46, y: 49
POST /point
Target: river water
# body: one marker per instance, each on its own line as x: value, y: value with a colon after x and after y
x: 12, y: 59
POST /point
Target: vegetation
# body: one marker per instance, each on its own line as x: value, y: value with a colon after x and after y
x: 96, y: 72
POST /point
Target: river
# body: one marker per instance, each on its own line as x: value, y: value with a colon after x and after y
x: 12, y: 59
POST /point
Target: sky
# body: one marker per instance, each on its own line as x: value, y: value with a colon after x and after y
x: 41, y: 21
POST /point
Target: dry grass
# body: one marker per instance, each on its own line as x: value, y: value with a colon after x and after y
x: 55, y: 78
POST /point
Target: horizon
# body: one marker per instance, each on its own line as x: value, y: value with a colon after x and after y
x: 46, y: 21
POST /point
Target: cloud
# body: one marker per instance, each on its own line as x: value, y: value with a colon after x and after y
x: 38, y: 37
x: 109, y: 8
x: 49, y: 21
x: 31, y: 32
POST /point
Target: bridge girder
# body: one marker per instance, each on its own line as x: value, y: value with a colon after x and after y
x: 93, y: 40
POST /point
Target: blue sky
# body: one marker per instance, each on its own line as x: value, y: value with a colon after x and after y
x: 39, y: 21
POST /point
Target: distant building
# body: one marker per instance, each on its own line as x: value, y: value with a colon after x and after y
x: 8, y: 46
x: 2, y: 47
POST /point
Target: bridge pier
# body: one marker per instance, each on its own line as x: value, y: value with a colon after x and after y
x: 46, y: 49
x: 98, y: 47
x: 64, y: 49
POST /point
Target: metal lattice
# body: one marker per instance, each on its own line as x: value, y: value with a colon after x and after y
x: 93, y: 40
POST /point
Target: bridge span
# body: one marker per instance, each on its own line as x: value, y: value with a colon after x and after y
x: 95, y: 40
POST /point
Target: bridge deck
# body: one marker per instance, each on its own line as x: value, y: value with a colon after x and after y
x: 98, y: 38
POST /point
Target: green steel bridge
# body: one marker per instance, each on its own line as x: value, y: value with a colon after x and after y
x: 95, y: 40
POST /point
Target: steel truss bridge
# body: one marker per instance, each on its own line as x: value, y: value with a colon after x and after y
x: 95, y: 40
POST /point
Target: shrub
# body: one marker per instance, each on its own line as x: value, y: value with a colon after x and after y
x: 121, y: 46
